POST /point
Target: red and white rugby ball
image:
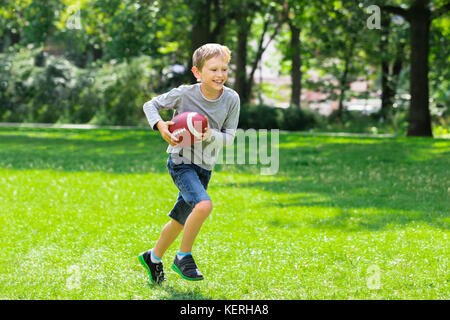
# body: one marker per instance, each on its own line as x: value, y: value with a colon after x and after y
x: 188, y: 128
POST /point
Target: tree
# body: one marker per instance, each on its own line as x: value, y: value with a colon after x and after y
x: 338, y: 48
x: 293, y: 15
x: 393, y: 40
x: 244, y: 13
x: 27, y: 22
x: 205, y: 13
x: 419, y: 16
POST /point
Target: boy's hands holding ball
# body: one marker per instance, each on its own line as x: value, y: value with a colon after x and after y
x: 163, y: 127
x: 188, y: 128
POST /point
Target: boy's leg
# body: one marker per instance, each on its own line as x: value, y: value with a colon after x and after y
x: 192, y: 211
x: 168, y: 235
x: 193, y: 224
x: 184, y: 263
x: 155, y: 268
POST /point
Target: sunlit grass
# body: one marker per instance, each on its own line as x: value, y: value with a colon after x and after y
x: 78, y: 206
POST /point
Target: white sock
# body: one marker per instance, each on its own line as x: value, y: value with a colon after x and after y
x: 154, y: 258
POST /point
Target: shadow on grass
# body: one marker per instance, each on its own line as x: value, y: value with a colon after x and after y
x: 350, y: 220
x: 142, y: 151
x: 374, y: 183
x: 73, y: 151
x: 370, y: 185
x: 170, y: 292
x: 351, y: 205
x: 363, y: 219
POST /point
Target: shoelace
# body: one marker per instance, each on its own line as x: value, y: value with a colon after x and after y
x: 159, y: 271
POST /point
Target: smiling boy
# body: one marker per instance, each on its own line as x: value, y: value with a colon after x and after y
x: 191, y: 167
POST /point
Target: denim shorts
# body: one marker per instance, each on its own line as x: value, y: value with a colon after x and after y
x: 192, y: 182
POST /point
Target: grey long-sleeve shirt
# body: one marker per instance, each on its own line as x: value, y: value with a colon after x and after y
x: 222, y: 113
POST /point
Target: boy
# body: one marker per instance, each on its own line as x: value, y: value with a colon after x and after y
x: 221, y: 106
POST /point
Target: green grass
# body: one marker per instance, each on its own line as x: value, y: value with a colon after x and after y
x: 78, y: 206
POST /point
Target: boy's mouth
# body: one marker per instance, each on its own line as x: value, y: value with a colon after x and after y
x: 218, y: 81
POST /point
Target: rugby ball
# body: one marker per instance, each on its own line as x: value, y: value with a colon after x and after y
x: 188, y: 128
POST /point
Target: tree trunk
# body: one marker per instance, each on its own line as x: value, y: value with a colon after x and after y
x: 97, y: 53
x: 419, y: 113
x: 2, y: 42
x: 200, y: 33
x: 14, y: 38
x: 259, y: 53
x: 296, y: 73
x: 386, y: 92
x: 240, y: 84
x: 217, y: 34
x: 343, y: 84
x: 344, y: 79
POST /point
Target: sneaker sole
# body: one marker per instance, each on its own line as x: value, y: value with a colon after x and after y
x: 175, y: 268
x: 142, y: 261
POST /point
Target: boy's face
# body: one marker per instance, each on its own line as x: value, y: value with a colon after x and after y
x: 213, y: 75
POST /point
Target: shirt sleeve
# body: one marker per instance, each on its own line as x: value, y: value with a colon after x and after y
x: 169, y: 100
x: 225, y: 136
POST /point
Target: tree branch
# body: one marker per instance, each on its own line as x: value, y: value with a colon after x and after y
x: 262, y: 48
x: 398, y: 11
x: 260, y: 51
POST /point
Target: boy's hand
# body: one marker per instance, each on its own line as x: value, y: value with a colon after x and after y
x: 207, y: 133
x: 163, y: 127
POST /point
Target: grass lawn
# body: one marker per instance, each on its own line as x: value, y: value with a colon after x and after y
x: 346, y: 217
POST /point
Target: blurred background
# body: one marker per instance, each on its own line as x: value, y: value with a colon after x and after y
x: 378, y: 66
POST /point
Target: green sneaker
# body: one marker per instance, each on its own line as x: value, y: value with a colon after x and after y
x: 187, y: 268
x: 154, y: 270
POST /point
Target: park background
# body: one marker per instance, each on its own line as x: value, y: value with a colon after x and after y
x: 359, y: 207
x: 355, y: 66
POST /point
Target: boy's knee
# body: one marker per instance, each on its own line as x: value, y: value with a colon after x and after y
x: 175, y: 224
x: 204, y: 206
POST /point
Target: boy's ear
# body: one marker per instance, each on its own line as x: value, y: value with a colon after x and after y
x: 196, y: 72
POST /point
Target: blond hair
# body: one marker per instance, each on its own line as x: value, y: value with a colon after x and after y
x: 208, y: 51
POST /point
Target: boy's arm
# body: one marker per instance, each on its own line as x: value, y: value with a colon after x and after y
x: 151, y: 112
x: 169, y: 100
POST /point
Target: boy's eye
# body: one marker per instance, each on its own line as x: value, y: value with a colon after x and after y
x: 215, y: 69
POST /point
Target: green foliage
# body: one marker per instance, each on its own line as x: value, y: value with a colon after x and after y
x: 355, y: 122
x: 439, y: 75
x: 259, y: 116
x: 267, y: 117
x: 79, y: 61
x: 32, y: 92
x: 125, y: 89
x: 58, y: 91
x: 295, y: 119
